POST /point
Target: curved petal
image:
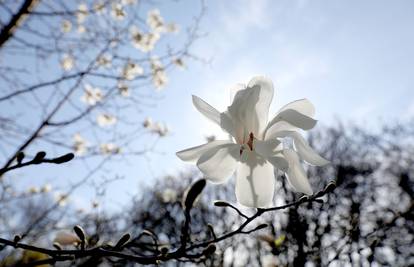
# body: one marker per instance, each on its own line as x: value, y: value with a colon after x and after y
x: 220, y: 162
x: 279, y: 129
x: 302, y: 106
x: 295, y: 118
x: 255, y: 182
x: 306, y: 152
x: 302, y: 147
x: 267, y: 148
x: 279, y: 162
x: 250, y: 106
x: 194, y: 153
x: 296, y: 174
x: 234, y: 89
x: 206, y: 109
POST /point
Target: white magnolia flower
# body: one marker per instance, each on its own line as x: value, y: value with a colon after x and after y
x: 81, y: 28
x: 109, y: 148
x: 67, y: 62
x: 131, y: 70
x: 169, y: 195
x: 143, y: 41
x: 82, y: 13
x: 118, y: 11
x: 159, y: 77
x: 106, y: 120
x: 155, y: 21
x: 66, y: 26
x: 99, y: 8
x: 105, y: 61
x: 256, y: 147
x: 123, y: 89
x: 46, y: 188
x: 79, y: 144
x: 92, y: 95
x: 66, y: 238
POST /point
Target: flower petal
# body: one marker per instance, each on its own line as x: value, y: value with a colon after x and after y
x: 250, y: 106
x: 267, y: 148
x: 302, y: 147
x: 279, y: 162
x: 255, y: 182
x: 220, y: 162
x: 296, y: 119
x: 236, y: 88
x: 296, y: 174
x: 306, y: 152
x: 206, y: 109
x: 302, y: 106
x: 194, y: 153
x: 279, y: 129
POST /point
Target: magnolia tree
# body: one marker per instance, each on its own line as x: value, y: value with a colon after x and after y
x: 78, y: 78
x: 257, y: 149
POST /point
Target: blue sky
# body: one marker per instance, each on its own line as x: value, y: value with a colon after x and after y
x: 352, y: 59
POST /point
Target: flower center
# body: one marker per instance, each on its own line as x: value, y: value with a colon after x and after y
x: 250, y: 141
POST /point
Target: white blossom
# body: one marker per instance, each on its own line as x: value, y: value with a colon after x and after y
x: 109, y: 148
x: 169, y: 195
x: 155, y: 21
x: 256, y: 148
x: 79, y: 144
x: 92, y: 95
x: 99, y: 8
x: 82, y: 13
x: 66, y: 26
x: 159, y: 77
x: 143, y: 41
x: 131, y: 70
x: 105, y: 61
x: 81, y: 28
x: 123, y: 89
x: 118, y: 11
x: 106, y: 120
x: 67, y: 62
x: 46, y: 188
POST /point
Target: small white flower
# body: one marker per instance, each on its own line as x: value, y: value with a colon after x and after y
x: 33, y: 190
x: 106, y: 120
x: 118, y: 11
x: 123, y: 89
x: 46, y: 188
x: 67, y: 62
x: 169, y: 195
x: 79, y: 144
x: 82, y: 13
x: 132, y: 70
x: 155, y: 21
x: 61, y: 199
x: 109, y: 148
x: 92, y: 95
x: 256, y: 148
x: 129, y: 2
x: 159, y: 77
x: 66, y: 238
x: 143, y: 41
x: 105, y: 61
x: 99, y: 8
x: 147, y: 123
x: 81, y: 29
x: 160, y: 129
x: 66, y: 26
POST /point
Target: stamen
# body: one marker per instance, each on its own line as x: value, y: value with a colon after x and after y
x: 250, y: 142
